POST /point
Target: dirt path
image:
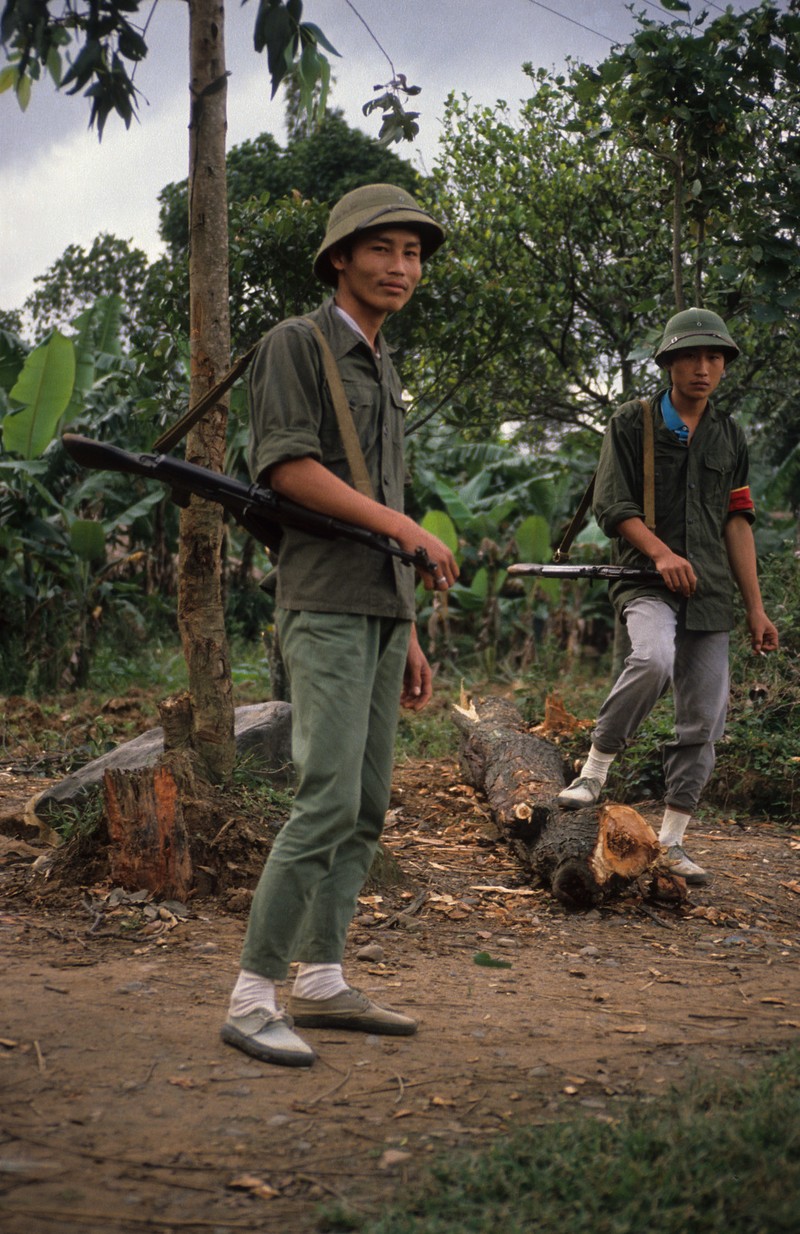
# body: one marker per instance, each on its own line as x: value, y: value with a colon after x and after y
x: 122, y: 1111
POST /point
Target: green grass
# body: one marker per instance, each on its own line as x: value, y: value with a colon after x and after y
x: 718, y: 1157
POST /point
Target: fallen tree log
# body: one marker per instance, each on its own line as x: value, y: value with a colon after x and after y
x: 583, y: 856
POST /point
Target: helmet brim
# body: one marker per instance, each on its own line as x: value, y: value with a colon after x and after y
x: 432, y: 235
x: 685, y: 342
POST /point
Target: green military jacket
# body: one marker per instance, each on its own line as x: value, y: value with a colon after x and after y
x: 292, y: 416
x: 697, y: 489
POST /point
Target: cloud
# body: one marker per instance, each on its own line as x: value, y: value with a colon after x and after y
x: 60, y: 186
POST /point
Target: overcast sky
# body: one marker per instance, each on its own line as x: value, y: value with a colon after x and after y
x: 60, y: 186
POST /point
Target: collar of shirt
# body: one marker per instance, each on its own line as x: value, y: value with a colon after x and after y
x: 672, y: 420
x: 353, y: 324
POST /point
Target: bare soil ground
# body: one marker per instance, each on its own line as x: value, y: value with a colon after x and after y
x: 121, y: 1110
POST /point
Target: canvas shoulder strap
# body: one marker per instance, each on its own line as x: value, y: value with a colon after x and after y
x: 648, y: 472
x: 648, y: 466
x: 562, y: 552
x: 344, y: 416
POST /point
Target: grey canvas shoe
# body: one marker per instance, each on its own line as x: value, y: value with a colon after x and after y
x: 350, y: 1010
x: 268, y: 1036
x: 580, y: 793
x: 679, y: 863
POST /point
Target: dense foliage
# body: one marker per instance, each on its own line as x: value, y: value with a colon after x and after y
x: 571, y: 224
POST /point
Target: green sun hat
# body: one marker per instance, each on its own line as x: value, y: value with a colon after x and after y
x: 375, y: 205
x: 695, y: 327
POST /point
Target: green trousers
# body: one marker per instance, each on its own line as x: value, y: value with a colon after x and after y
x: 346, y: 674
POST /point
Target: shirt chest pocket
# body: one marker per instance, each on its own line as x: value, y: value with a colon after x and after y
x: 363, y: 408
x: 669, y: 474
x: 716, y: 473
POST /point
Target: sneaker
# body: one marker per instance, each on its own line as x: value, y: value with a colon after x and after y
x: 267, y: 1036
x: 581, y: 792
x: 350, y: 1010
x: 678, y: 863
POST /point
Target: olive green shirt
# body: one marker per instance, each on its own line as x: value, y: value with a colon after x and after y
x: 292, y: 416
x: 693, y: 501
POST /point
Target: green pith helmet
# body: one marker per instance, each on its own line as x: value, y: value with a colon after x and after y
x: 375, y: 205
x: 695, y: 327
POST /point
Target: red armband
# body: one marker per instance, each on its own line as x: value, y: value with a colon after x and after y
x: 740, y: 499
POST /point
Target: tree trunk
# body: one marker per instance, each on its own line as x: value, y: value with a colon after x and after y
x: 200, y: 600
x: 585, y: 856
x: 677, y: 225
x: 149, y: 840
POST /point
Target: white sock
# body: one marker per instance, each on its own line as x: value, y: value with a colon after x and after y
x: 673, y: 827
x: 251, y: 993
x: 597, y: 765
x: 319, y: 981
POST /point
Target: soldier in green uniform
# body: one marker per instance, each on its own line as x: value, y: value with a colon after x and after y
x: 701, y: 545
x: 345, y: 621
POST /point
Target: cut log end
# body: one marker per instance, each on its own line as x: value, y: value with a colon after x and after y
x: 626, y: 844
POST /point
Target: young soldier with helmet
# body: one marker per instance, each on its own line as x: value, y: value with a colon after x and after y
x: 701, y: 544
x: 345, y: 619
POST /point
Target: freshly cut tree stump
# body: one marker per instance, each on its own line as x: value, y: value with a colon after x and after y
x: 149, y: 839
x: 583, y: 856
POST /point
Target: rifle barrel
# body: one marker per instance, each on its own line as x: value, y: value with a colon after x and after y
x: 546, y: 570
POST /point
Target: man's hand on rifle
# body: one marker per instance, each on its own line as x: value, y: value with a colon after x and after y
x: 414, y: 539
x: 307, y: 482
x: 675, y: 570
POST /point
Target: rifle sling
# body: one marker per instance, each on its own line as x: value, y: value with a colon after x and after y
x: 344, y: 416
x: 648, y: 473
x: 171, y: 436
x: 562, y: 552
x: 648, y: 466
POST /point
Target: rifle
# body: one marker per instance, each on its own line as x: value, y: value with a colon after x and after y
x: 259, y: 510
x: 634, y: 573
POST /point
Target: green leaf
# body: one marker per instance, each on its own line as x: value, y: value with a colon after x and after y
x: 87, y: 539
x: 44, y: 387
x: 480, y: 583
x: 54, y: 65
x: 440, y: 524
x: 140, y: 509
x: 461, y: 515
x: 765, y: 312
x: 486, y: 961
x: 467, y: 599
x: 533, y: 539
x: 319, y: 37
x: 8, y: 78
x: 24, y: 91
x: 12, y: 358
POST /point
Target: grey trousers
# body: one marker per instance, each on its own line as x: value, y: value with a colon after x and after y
x: 695, y: 664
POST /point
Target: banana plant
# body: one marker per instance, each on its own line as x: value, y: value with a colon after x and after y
x: 63, y: 535
x: 486, y: 535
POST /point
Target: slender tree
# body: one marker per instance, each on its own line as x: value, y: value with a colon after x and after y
x: 200, y: 604
x: 107, y: 45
